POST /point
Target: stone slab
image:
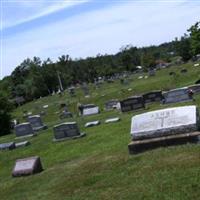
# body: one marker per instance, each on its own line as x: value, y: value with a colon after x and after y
x: 70, y: 138
x: 27, y: 166
x: 164, y: 122
x: 177, y: 95
x: 111, y: 120
x: 148, y: 144
x: 7, y: 146
x: 90, y: 124
x: 91, y: 111
x: 22, y: 144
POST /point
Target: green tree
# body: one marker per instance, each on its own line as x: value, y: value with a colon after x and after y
x: 195, y: 38
x: 5, y: 116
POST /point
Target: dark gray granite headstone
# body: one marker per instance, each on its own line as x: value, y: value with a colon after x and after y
x: 27, y: 166
x: 170, y: 121
x: 24, y: 129
x: 7, y: 146
x: 66, y: 131
x: 132, y: 103
x: 177, y: 95
x: 111, y: 104
x: 153, y: 96
x: 36, y: 123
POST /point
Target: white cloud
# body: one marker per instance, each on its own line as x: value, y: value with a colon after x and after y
x: 102, y: 31
x: 31, y: 10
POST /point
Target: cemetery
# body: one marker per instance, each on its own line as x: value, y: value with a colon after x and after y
x: 144, y: 138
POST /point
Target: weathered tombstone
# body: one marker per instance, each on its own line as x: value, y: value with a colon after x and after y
x: 164, y: 127
x: 27, y: 166
x: 195, y: 88
x: 153, y: 96
x: 36, y: 123
x: 90, y: 124
x: 177, y: 95
x: 22, y: 144
x: 65, y: 114
x: 68, y: 130
x: 111, y: 104
x: 24, y: 130
x: 111, y: 120
x: 90, y: 109
x: 7, y: 146
x: 132, y: 103
x: 85, y: 89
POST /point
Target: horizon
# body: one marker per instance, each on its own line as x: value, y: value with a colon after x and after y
x: 85, y: 28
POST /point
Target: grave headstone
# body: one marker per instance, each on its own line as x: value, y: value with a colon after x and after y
x: 153, y: 96
x: 24, y: 130
x: 177, y: 95
x: 45, y: 106
x: 27, y: 166
x: 90, y: 124
x: 163, y: 127
x: 85, y: 89
x: 36, y: 123
x: 152, y: 72
x: 111, y: 104
x: 7, y: 146
x: 132, y: 103
x: 65, y: 114
x: 68, y: 130
x: 90, y: 109
x: 111, y: 120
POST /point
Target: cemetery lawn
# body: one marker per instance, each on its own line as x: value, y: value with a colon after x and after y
x: 98, y: 166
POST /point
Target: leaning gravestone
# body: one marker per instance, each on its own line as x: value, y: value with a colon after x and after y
x: 111, y: 104
x: 27, y: 166
x: 93, y: 123
x: 90, y: 109
x: 24, y: 130
x: 7, y: 146
x: 68, y: 130
x: 36, y: 123
x: 153, y: 96
x: 177, y: 95
x: 132, y: 103
x: 164, y: 127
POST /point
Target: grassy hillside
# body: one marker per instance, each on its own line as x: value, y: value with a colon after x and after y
x: 98, y: 166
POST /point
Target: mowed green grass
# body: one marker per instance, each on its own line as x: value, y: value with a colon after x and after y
x: 98, y: 166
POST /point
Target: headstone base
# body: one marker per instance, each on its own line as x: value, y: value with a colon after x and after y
x: 25, y: 136
x: 40, y: 128
x: 70, y: 138
x: 139, y: 146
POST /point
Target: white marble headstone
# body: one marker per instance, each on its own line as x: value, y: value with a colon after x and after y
x: 91, y: 111
x: 165, y: 122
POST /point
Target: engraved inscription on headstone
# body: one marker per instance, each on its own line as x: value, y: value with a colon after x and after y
x: 177, y: 95
x: 66, y: 130
x: 132, y: 103
x: 165, y: 122
x: 24, y: 129
x: 154, y: 96
x: 27, y: 166
x: 36, y: 123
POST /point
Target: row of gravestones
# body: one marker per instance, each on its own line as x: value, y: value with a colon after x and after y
x: 172, y: 96
x: 149, y: 130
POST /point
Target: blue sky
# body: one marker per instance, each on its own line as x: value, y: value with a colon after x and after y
x: 82, y: 28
